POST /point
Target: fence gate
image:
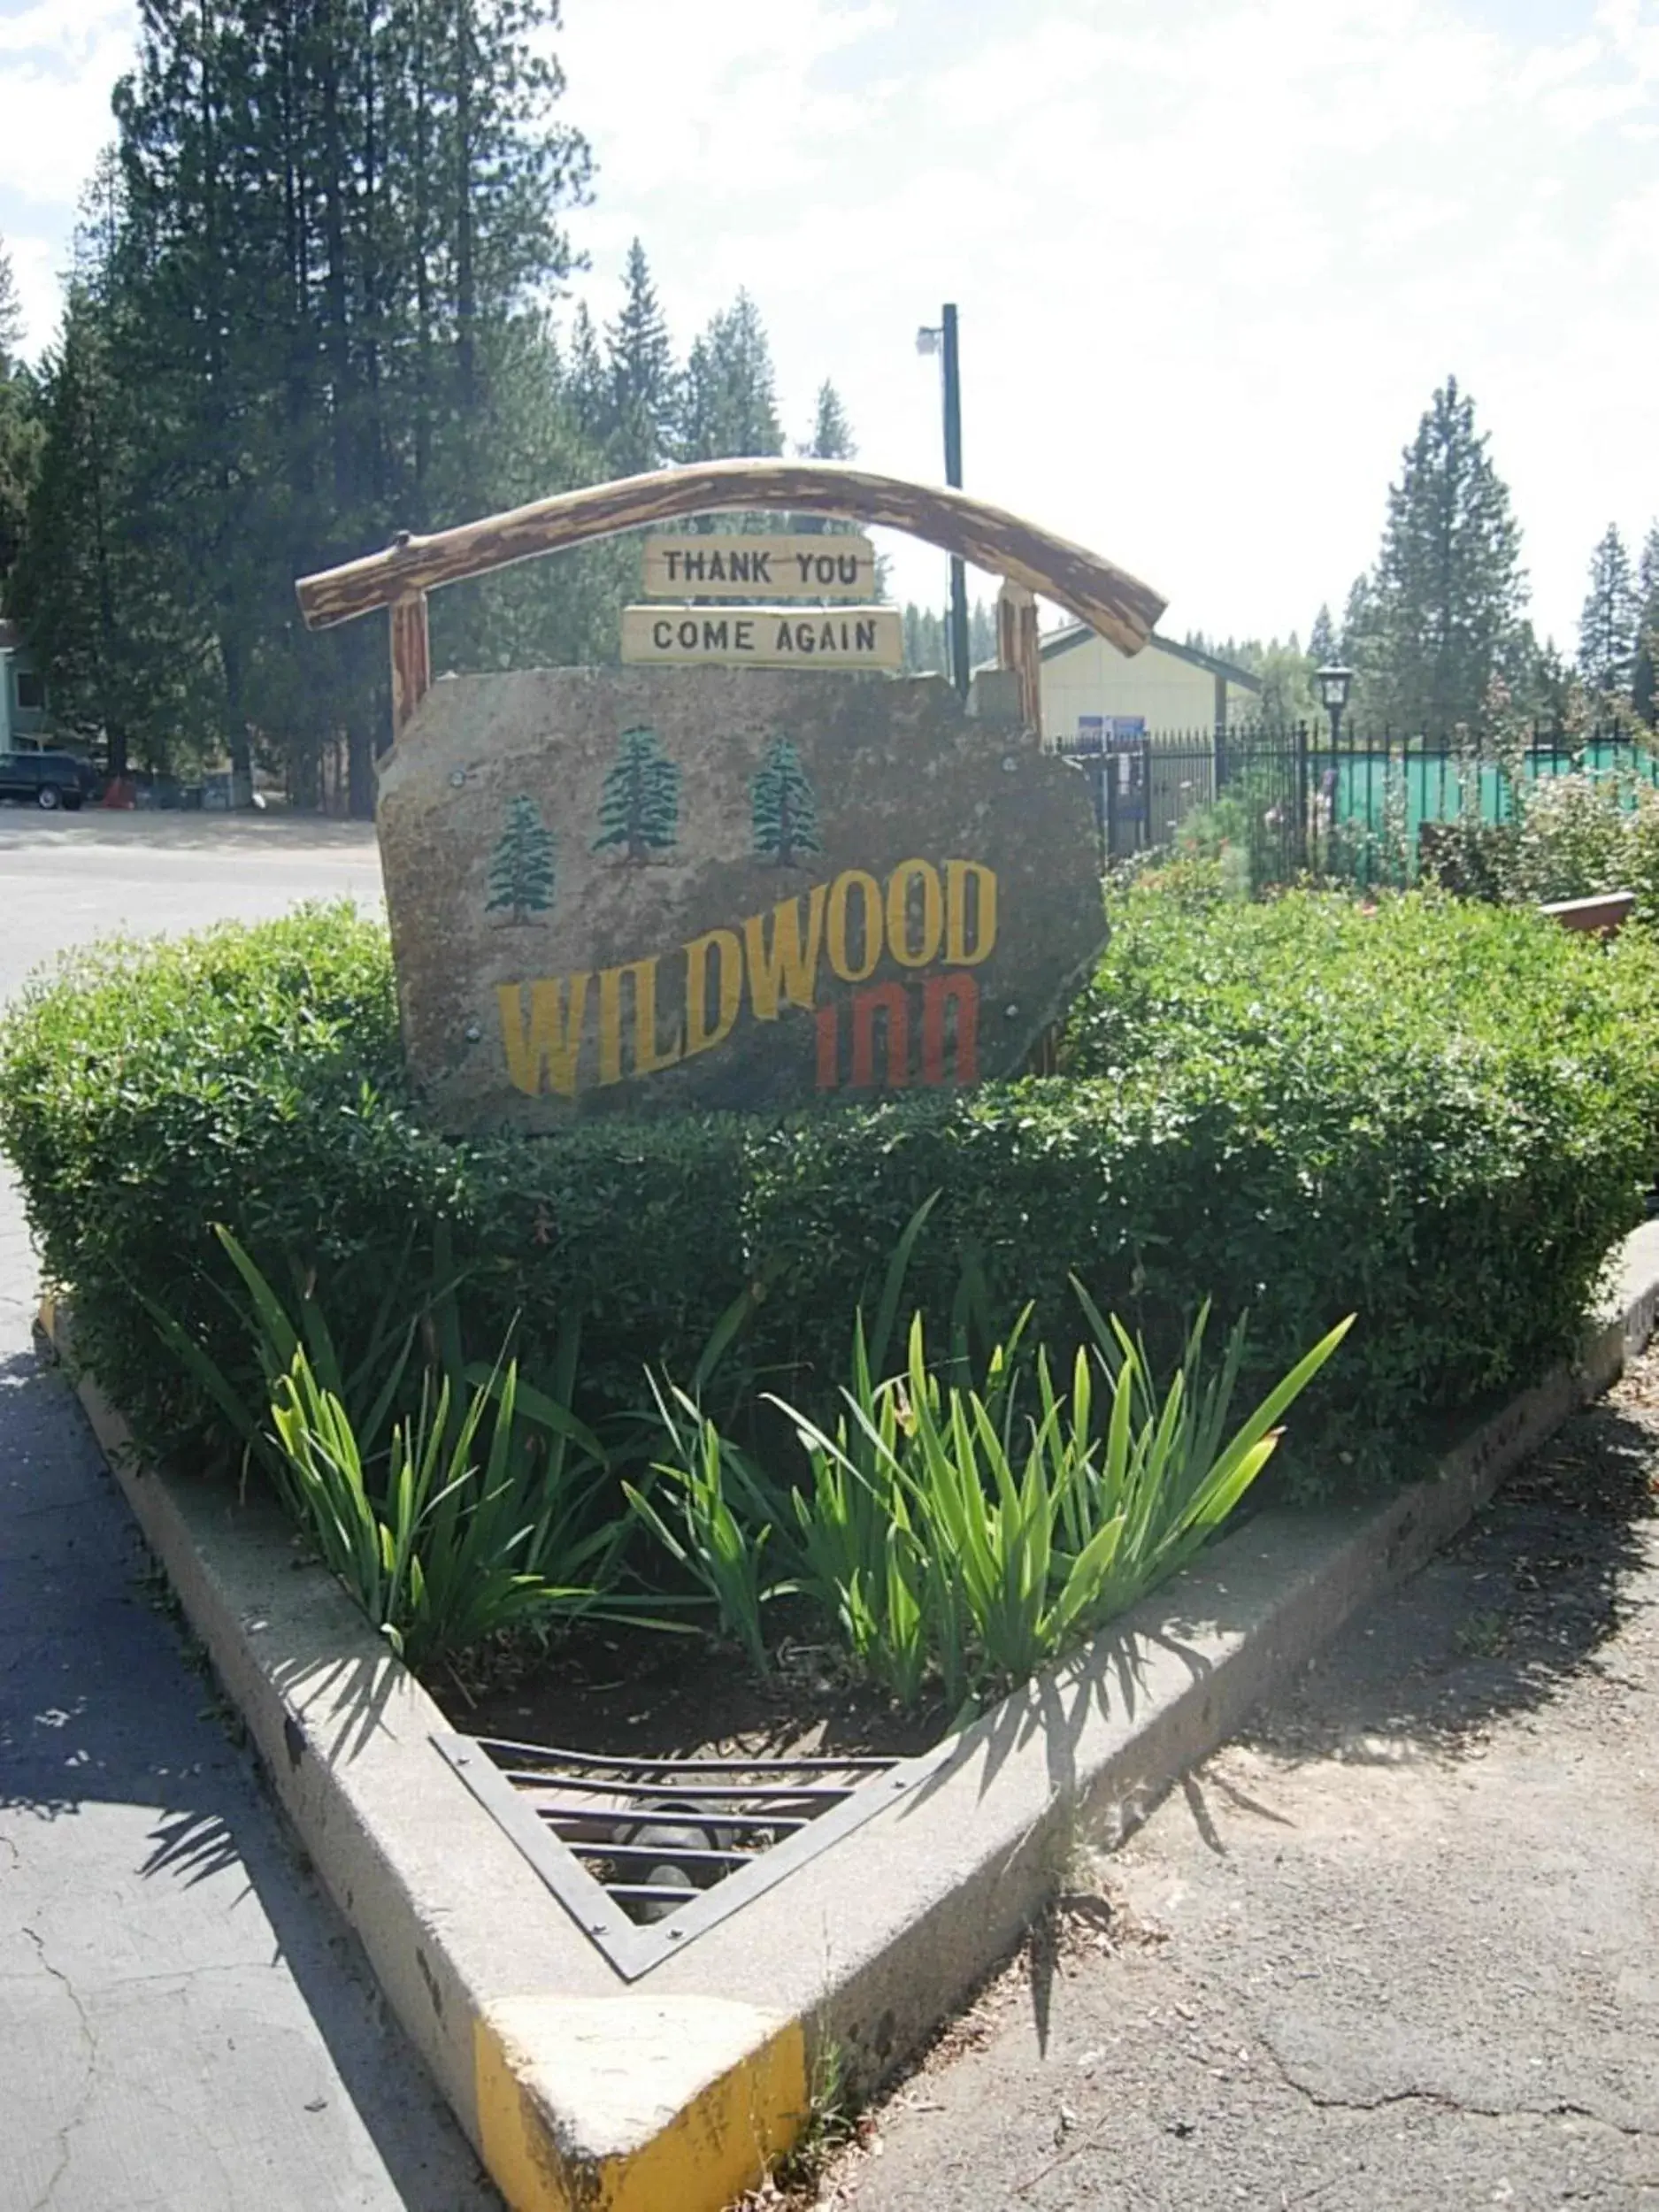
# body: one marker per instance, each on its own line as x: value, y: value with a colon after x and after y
x: 1114, y: 752
x: 1265, y: 775
x: 1146, y: 787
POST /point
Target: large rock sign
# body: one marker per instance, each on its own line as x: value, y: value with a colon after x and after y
x: 659, y: 889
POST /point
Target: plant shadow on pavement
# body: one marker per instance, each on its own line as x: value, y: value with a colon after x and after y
x: 1507, y: 1617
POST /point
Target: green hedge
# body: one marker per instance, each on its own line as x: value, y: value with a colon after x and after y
x: 1442, y: 1117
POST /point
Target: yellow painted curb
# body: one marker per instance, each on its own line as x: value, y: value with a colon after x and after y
x: 633, y: 2104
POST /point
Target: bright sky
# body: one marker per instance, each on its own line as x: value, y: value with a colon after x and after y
x: 1211, y: 256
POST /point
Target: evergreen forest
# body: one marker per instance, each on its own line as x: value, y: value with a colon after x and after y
x: 320, y: 294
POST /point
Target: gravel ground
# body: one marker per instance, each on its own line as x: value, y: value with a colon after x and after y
x: 1393, y: 1948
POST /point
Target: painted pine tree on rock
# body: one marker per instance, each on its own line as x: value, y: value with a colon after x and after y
x: 521, y: 872
x: 639, y: 809
x: 785, y: 807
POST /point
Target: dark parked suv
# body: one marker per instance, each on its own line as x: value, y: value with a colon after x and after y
x: 43, y: 779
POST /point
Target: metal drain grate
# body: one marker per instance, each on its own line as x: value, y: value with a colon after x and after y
x: 646, y: 1854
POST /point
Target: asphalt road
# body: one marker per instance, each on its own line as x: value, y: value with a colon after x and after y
x: 185, y: 2023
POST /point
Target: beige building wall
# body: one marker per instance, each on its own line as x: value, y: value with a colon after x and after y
x: 1171, y: 693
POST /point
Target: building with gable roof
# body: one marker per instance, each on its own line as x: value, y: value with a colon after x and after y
x: 1090, y: 689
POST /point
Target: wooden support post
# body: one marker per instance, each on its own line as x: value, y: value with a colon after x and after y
x: 411, y: 659
x: 1018, y: 648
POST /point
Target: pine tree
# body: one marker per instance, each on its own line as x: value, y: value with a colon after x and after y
x: 1433, y: 627
x: 1647, y: 569
x: 587, y: 385
x: 522, y: 873
x: 639, y: 808
x: 1611, y: 620
x: 20, y: 443
x: 1360, y: 616
x: 21, y: 434
x: 327, y: 237
x: 1287, y: 695
x: 925, y: 638
x: 832, y: 438
x: 1644, y: 689
x: 72, y: 586
x: 1321, y: 640
x: 11, y: 315
x: 729, y: 402
x: 784, y: 806
x: 695, y: 431
x: 1359, y: 645
x: 1546, y: 690
x: 640, y: 360
x: 924, y: 641
x: 104, y: 609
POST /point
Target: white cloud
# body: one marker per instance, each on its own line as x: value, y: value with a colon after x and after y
x: 1211, y: 258
x: 1211, y: 255
x: 58, y: 63
x: 51, y: 128
x: 69, y: 29
x: 34, y: 263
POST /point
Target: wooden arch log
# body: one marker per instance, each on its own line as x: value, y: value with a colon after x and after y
x: 1117, y: 604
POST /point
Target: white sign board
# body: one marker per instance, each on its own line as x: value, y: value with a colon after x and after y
x: 760, y: 565
x: 838, y: 638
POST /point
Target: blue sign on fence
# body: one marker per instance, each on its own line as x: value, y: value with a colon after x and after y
x: 1104, y: 732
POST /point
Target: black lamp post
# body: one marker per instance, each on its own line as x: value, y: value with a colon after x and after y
x: 941, y: 338
x: 1335, y: 683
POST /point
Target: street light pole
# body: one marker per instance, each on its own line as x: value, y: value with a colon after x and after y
x: 1334, y: 683
x: 941, y: 338
x: 953, y: 476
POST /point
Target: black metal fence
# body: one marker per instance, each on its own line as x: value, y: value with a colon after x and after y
x: 1281, y: 802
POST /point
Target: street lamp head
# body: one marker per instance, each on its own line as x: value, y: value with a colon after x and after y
x: 927, y: 339
x: 1334, y: 683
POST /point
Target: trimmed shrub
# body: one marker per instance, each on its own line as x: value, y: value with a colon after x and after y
x: 1442, y: 1117
x: 254, y: 1076
x: 1439, y: 1114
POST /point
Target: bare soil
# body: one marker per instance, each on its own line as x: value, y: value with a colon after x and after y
x: 644, y: 1693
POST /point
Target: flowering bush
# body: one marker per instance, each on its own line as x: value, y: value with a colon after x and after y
x: 1569, y: 837
x: 1580, y: 834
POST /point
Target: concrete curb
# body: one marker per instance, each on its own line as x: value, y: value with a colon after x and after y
x: 584, y: 2093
